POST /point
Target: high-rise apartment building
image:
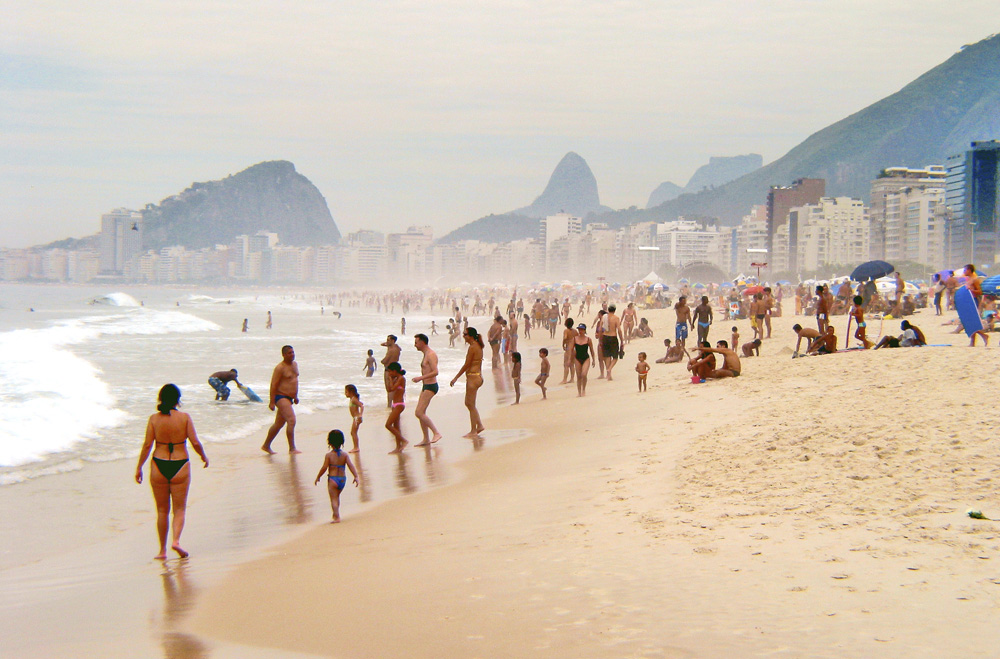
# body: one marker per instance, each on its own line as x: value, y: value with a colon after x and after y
x: 121, y: 239
x: 782, y: 199
x: 915, y: 226
x: 892, y: 180
x: 971, y: 193
x: 833, y: 231
x: 554, y: 227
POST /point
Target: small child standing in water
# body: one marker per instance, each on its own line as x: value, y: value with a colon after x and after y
x: 370, y: 365
x: 515, y: 375
x: 334, y: 463
x: 544, y: 374
x: 357, y: 409
x: 642, y: 368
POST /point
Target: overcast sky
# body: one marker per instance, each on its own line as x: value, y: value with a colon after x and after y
x: 430, y: 112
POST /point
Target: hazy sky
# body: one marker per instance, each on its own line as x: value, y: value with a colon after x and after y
x: 429, y: 112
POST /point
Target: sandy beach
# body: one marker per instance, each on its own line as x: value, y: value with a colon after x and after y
x: 812, y: 507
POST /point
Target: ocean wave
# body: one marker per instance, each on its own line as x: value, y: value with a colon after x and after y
x: 117, y: 299
x: 51, y: 398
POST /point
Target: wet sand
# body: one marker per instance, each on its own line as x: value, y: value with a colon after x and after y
x: 76, y: 571
x: 812, y: 507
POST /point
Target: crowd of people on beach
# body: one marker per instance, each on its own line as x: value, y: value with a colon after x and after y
x: 169, y: 431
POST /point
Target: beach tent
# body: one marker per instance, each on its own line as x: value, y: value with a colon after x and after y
x: 652, y: 278
x: 886, y: 287
x: 991, y: 285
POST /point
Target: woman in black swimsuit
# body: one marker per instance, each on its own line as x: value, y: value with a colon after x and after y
x: 584, y: 349
x: 170, y: 475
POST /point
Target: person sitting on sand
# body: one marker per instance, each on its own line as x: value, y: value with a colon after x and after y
x: 731, y: 366
x: 643, y: 331
x: 911, y: 337
x: 704, y: 364
x: 826, y: 344
x: 674, y: 353
x: 807, y: 333
x: 751, y: 348
x: 334, y: 462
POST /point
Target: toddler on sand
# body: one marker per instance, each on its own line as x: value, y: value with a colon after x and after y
x: 544, y: 374
x: 515, y: 375
x: 642, y: 368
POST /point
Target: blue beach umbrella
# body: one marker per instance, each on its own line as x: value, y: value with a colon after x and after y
x: 872, y: 270
x: 991, y: 285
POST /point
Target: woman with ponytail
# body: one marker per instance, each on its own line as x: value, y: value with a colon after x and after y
x: 170, y: 474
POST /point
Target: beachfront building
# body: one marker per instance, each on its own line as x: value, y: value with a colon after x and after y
x: 121, y: 239
x: 407, y: 253
x: 636, y: 251
x: 893, y: 180
x: 833, y: 231
x: 687, y: 241
x: 750, y: 233
x: 781, y: 199
x: 915, y: 225
x: 551, y: 229
x: 971, y: 188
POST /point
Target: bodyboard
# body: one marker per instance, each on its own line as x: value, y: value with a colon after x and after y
x: 249, y: 393
x: 968, y: 312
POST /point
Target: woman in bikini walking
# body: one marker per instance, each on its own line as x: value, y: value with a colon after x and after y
x: 397, y: 388
x: 473, y: 370
x: 170, y: 474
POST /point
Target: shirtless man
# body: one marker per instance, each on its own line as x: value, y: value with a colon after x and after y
x: 611, y: 340
x: 826, y: 344
x: 674, y: 353
x: 822, y: 309
x: 392, y: 353
x: 429, y: 388
x: 494, y: 336
x: 757, y: 314
x: 809, y: 334
x: 731, y: 361
x: 769, y: 303
x: 284, y: 394
x: 703, y: 317
x: 683, y: 320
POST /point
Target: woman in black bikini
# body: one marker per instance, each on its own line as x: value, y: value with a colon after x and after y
x: 170, y: 475
x: 584, y: 349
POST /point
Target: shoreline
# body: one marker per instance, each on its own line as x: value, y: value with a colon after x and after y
x: 787, y: 511
x: 246, y: 502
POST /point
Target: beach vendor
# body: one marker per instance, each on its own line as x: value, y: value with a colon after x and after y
x: 219, y: 381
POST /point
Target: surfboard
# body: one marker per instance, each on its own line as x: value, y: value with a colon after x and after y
x: 248, y: 392
x: 968, y: 312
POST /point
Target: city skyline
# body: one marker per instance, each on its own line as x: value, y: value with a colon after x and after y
x: 428, y: 114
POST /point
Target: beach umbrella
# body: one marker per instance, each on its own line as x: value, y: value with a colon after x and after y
x: 683, y: 280
x: 699, y: 286
x: 872, y: 270
x: 991, y: 285
x: 753, y: 290
x: 726, y: 284
x: 784, y: 282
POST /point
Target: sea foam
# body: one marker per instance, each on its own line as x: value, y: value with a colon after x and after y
x: 51, y: 398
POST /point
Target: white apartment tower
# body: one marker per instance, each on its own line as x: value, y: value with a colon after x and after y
x: 121, y: 239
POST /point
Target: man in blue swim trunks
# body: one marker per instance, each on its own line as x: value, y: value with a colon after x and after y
x: 219, y: 381
x: 683, y: 312
x: 284, y: 393
x: 704, y: 317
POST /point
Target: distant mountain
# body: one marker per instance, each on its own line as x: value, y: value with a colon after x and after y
x: 269, y: 196
x: 934, y: 116
x: 572, y: 189
x: 664, y: 192
x: 719, y: 170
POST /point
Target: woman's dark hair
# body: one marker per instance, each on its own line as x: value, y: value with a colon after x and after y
x: 168, y: 398
x: 569, y: 323
x: 475, y: 335
x: 354, y: 391
x: 515, y: 356
x: 395, y: 367
x: 335, y: 439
